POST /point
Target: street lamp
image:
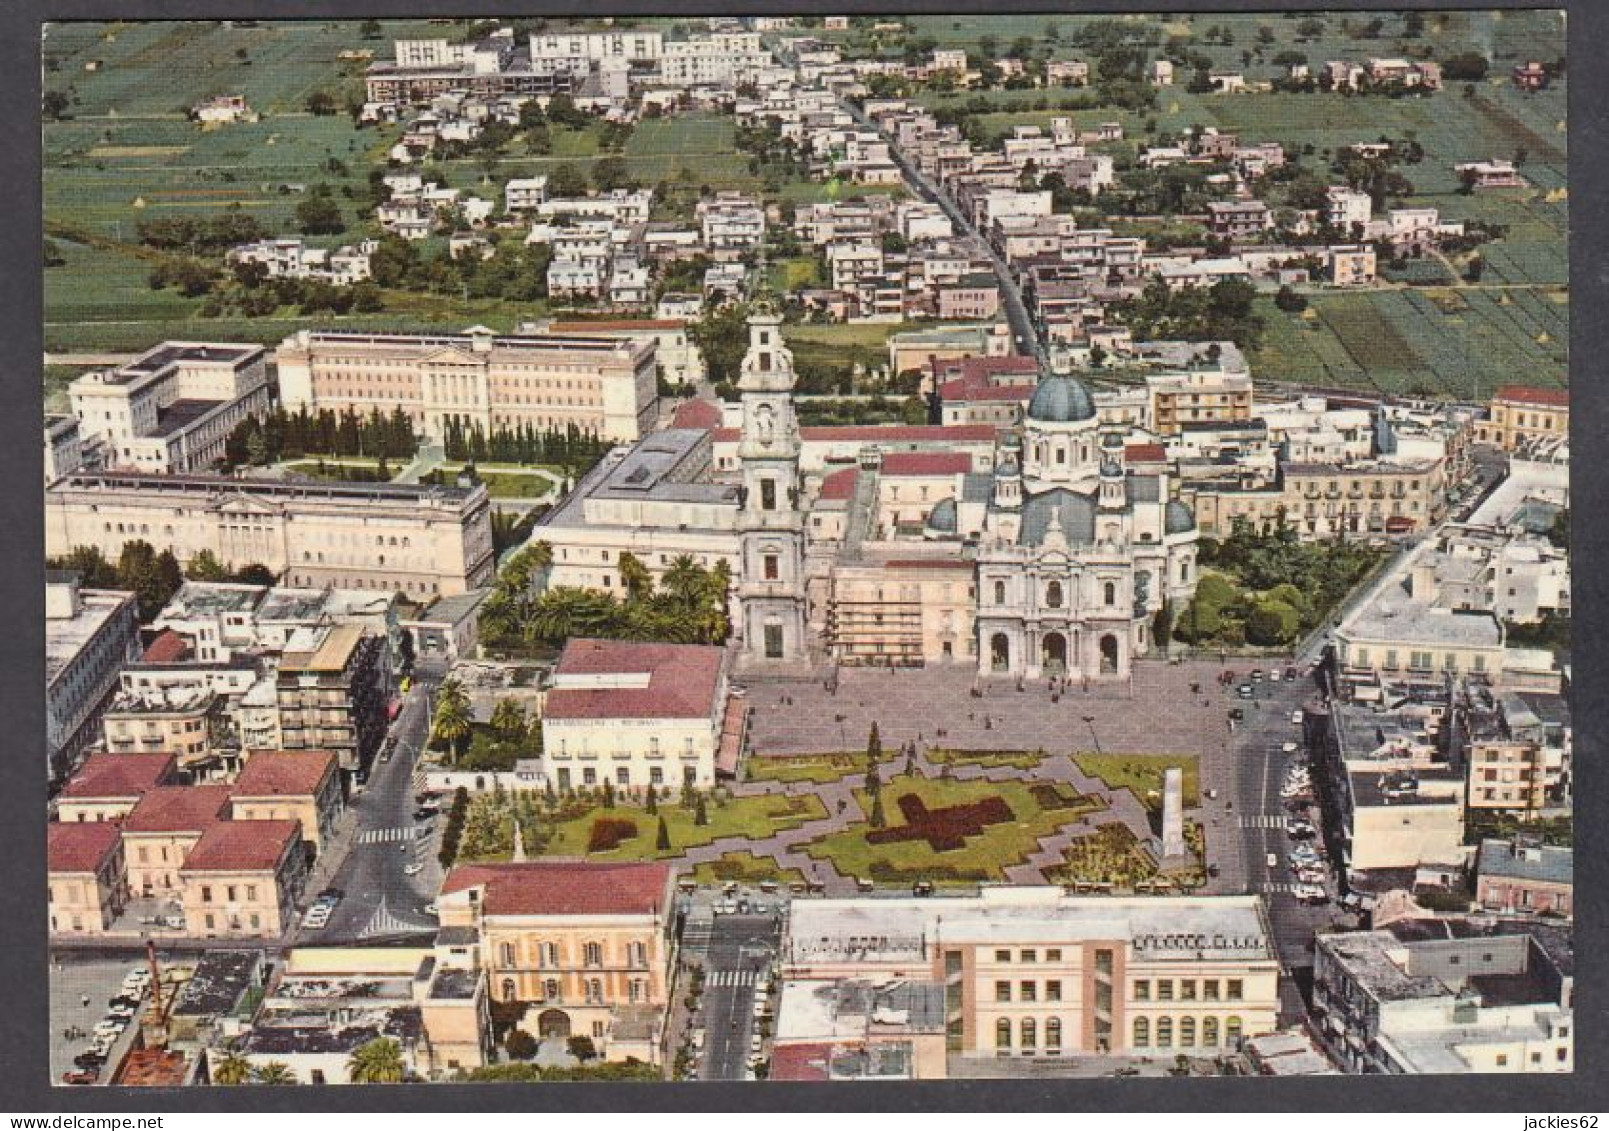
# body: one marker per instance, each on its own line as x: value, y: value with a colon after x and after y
x: 1089, y: 721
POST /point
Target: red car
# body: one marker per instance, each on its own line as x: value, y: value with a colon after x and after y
x: 81, y: 1076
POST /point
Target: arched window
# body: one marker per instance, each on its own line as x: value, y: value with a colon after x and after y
x: 593, y: 954
x: 1164, y: 1032
x: 1209, y: 1032
x: 507, y: 953
x: 508, y: 989
x: 1232, y: 1032
x: 1111, y: 592
x: 550, y: 990
x: 1187, y: 1032
x: 1000, y: 592
x: 1142, y: 1033
x: 1002, y: 1033
x: 1053, y: 597
x: 1053, y: 1034
x: 1030, y: 1033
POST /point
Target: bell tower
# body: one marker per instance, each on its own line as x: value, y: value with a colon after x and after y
x: 771, y: 591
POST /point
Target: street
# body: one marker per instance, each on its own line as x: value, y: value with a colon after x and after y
x: 380, y: 900
x: 740, y: 954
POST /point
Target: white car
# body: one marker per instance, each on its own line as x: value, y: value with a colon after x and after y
x: 1273, y: 675
x: 1311, y: 893
x: 1296, y: 718
x: 413, y: 869
x: 316, y: 918
x: 1288, y: 748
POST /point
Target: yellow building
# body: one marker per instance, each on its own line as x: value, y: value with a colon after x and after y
x: 600, y: 385
x: 241, y: 879
x: 422, y: 541
x: 108, y: 786
x: 902, y: 610
x: 1199, y: 396
x: 163, y: 827
x: 294, y: 785
x: 1322, y: 500
x: 1034, y: 972
x: 587, y: 949
x: 1522, y: 417
x: 86, y: 884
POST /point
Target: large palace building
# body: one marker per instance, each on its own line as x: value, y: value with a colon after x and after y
x: 422, y: 541
x: 602, y: 385
x: 1048, y: 552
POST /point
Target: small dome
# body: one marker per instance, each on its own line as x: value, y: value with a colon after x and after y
x: 1179, y: 519
x: 1007, y: 467
x: 941, y: 519
x: 1061, y: 400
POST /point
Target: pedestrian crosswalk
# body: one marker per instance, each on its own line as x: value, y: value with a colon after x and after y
x: 732, y: 978
x: 1262, y: 821
x: 1279, y: 889
x: 384, y: 836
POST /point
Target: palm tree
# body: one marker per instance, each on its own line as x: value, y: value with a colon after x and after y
x: 377, y: 1062
x: 275, y: 1072
x: 231, y: 1069
x: 508, y: 720
x: 567, y: 611
x: 685, y: 580
x: 453, y: 722
x: 634, y: 576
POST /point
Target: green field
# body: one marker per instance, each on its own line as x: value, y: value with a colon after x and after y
x: 753, y: 817
x: 986, y: 855
x: 1143, y: 774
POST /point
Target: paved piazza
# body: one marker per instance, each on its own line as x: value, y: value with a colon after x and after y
x: 1156, y: 712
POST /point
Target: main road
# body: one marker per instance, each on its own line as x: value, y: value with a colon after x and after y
x: 1022, y: 326
x: 381, y: 898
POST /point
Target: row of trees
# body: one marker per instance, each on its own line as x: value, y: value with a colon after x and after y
x: 569, y: 447
x: 379, y: 1061
x: 151, y: 576
x: 687, y: 607
x: 281, y: 435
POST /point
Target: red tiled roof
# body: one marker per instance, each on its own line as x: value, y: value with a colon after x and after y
x: 682, y: 681
x: 962, y: 390
x: 1145, y: 453
x: 974, y: 368
x: 807, y: 1062
x: 242, y: 846
x: 80, y: 846
x: 153, y: 1068
x: 119, y: 775
x: 881, y: 433
x: 927, y: 463
x: 553, y: 887
x: 179, y: 809
x: 168, y: 647
x: 696, y: 414
x: 840, y: 484
x: 283, y: 773
x: 1528, y: 394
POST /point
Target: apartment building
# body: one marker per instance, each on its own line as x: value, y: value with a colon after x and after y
x: 162, y: 828
x: 1447, y: 995
x: 423, y: 541
x: 1035, y: 972
x: 333, y: 691
x: 1203, y: 395
x: 171, y: 409
x: 241, y: 879
x: 585, y: 949
x: 85, y: 881
x: 89, y: 635
x: 678, y: 356
x: 602, y: 386
x: 634, y: 715
x: 291, y: 785
x: 1525, y: 418
x: 1523, y: 876
x: 108, y: 785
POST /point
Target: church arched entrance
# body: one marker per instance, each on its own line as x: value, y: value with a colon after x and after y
x: 1108, y: 654
x: 553, y: 1023
x: 999, y: 652
x: 1053, y: 653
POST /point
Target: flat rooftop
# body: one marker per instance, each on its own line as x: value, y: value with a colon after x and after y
x: 66, y: 637
x: 1392, y: 616
x: 181, y: 414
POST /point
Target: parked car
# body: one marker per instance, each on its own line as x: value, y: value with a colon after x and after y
x: 1236, y: 714
x: 1311, y: 893
x: 81, y: 1076
x: 1296, y: 718
x: 1245, y: 691
x: 89, y: 1058
x: 432, y: 909
x: 423, y: 814
x: 1289, y: 748
x: 413, y: 869
x: 1255, y: 675
x: 1273, y: 675
x: 1273, y: 860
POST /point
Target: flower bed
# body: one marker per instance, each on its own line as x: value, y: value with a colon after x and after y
x: 944, y: 829
x: 608, y: 832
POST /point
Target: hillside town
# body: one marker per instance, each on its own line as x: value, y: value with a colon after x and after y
x: 891, y: 620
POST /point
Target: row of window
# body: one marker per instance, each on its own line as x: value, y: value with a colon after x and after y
x: 1165, y: 1030
x: 547, y: 954
x: 231, y: 891
x: 591, y: 990
x: 1027, y: 990
x: 1234, y: 989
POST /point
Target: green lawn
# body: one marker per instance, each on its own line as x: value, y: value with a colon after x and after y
x: 1021, y: 759
x: 1143, y: 774
x: 753, y: 817
x: 805, y: 767
x: 745, y: 868
x: 986, y: 855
